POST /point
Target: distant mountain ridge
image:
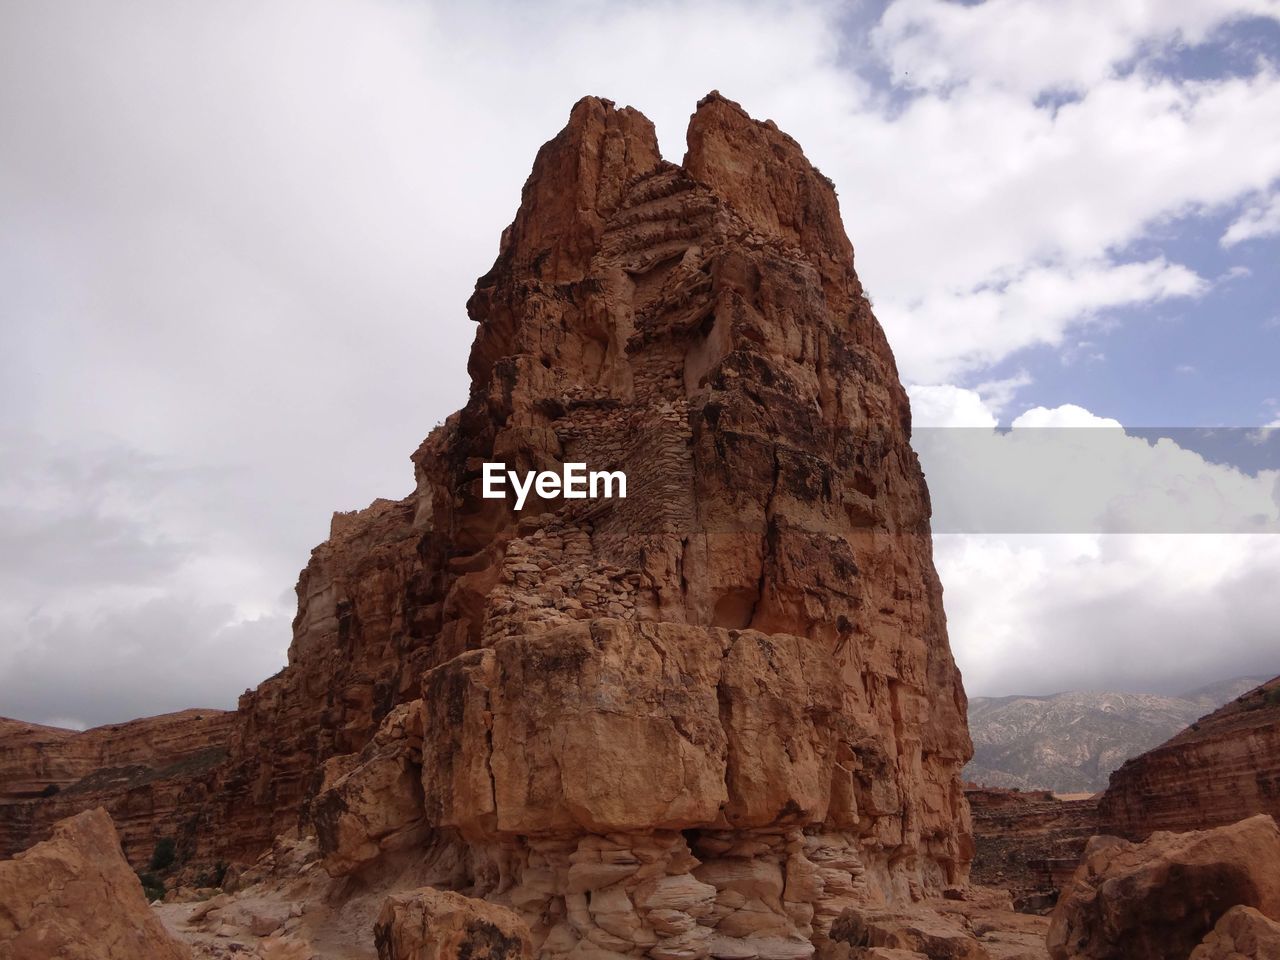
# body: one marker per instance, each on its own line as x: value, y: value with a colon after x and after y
x: 1071, y: 742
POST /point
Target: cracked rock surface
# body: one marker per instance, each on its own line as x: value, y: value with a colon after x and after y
x: 701, y: 721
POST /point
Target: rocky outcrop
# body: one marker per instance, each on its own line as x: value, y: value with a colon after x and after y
x: 979, y: 927
x: 700, y: 720
x: 74, y: 897
x: 1028, y: 842
x: 709, y: 717
x: 1242, y: 934
x: 154, y: 777
x: 1219, y: 770
x: 1159, y: 899
x: 432, y: 924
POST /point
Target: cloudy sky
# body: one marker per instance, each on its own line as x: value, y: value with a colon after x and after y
x: 236, y: 239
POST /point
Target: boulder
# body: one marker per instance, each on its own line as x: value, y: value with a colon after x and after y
x: 921, y: 930
x: 372, y: 802
x: 74, y: 897
x: 430, y: 924
x: 1158, y: 899
x: 1242, y: 934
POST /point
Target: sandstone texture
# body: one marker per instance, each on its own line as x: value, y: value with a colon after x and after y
x: 1159, y: 899
x: 979, y: 927
x: 74, y: 897
x: 700, y: 721
x: 705, y: 719
x: 153, y: 776
x: 1028, y: 842
x: 1242, y: 934
x: 1222, y: 768
x: 432, y: 924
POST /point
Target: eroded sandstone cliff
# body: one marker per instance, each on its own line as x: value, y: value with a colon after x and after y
x: 701, y: 720
x: 154, y: 776
x: 1221, y: 769
x: 710, y: 716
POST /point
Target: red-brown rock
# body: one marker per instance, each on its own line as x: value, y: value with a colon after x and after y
x: 1219, y: 770
x: 699, y: 721
x: 154, y: 777
x: 73, y: 897
x: 1242, y: 934
x: 1160, y: 898
x: 429, y: 924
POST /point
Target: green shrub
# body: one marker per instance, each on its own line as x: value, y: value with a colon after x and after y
x: 152, y: 885
x: 164, y: 854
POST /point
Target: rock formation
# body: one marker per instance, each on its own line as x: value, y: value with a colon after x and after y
x: 74, y: 897
x: 1242, y: 934
x: 1159, y: 899
x: 151, y: 775
x: 1028, y: 843
x: 702, y: 720
x: 1219, y: 770
x: 710, y: 716
x: 432, y: 924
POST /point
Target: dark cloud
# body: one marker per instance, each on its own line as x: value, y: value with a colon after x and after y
x: 159, y: 655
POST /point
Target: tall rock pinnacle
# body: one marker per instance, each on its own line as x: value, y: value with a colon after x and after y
x: 744, y: 663
x: 700, y: 720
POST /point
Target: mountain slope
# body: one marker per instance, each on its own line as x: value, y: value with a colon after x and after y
x: 1222, y: 768
x: 1071, y: 742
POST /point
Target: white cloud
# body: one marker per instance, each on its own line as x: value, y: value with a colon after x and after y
x: 236, y: 240
x: 946, y: 405
x: 1034, y: 46
x: 1040, y: 614
x: 1262, y: 219
x: 125, y: 592
x: 953, y: 332
x: 1066, y: 415
x: 998, y: 394
x: 1066, y: 470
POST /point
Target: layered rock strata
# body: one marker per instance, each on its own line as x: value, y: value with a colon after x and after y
x: 1219, y: 770
x: 702, y: 720
x: 1028, y: 842
x: 705, y: 719
x: 154, y: 776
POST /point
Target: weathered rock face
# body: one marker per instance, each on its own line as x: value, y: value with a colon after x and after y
x: 1242, y: 934
x: 1159, y: 899
x: 709, y: 717
x: 1028, y: 842
x: 700, y: 720
x: 74, y: 897
x: 152, y: 776
x: 1219, y: 770
x: 430, y: 924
